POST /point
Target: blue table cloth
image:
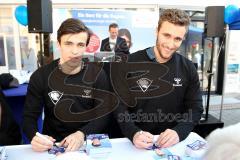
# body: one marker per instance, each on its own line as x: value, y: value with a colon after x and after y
x: 21, y: 90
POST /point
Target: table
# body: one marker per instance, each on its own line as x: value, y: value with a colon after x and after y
x: 21, y: 90
x: 15, y: 97
x: 204, y: 128
x: 122, y: 148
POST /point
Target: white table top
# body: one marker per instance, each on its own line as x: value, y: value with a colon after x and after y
x: 122, y: 149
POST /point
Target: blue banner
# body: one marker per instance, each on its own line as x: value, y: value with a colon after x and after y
x: 141, y: 24
x: 102, y: 18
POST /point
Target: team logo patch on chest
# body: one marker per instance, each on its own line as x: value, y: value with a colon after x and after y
x: 177, y: 82
x: 87, y: 93
x: 55, y: 96
x: 144, y: 84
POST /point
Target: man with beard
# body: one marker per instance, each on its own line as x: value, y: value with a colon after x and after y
x: 173, y: 115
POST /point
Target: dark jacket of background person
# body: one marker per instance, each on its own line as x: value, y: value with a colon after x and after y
x: 9, y: 129
x: 120, y: 47
x: 8, y: 81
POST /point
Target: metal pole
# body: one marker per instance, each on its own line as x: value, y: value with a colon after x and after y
x: 224, y: 70
x: 210, y: 78
x: 41, y: 49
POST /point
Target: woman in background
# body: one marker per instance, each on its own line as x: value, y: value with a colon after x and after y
x: 124, y: 33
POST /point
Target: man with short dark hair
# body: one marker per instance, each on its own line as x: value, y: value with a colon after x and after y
x: 55, y: 87
x: 113, y: 42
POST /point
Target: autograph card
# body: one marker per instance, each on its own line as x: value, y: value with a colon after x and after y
x: 154, y: 146
x: 55, y: 149
x: 197, y: 145
x: 173, y: 157
x: 162, y: 157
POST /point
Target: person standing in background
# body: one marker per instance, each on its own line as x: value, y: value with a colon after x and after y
x: 114, y: 42
x: 125, y: 33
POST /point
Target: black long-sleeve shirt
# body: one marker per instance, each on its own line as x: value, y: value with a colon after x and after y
x: 40, y: 95
x: 155, y: 115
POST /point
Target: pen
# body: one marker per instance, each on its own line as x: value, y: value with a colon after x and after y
x: 45, y: 138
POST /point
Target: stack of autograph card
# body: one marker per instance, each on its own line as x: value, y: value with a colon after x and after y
x: 196, y: 149
x: 98, y: 145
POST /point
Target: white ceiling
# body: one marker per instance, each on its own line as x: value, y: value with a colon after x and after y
x: 184, y: 4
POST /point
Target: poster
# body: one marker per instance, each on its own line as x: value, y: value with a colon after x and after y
x: 141, y: 24
x: 232, y: 84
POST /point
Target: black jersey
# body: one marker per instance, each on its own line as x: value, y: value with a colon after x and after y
x: 40, y: 95
x: 179, y: 110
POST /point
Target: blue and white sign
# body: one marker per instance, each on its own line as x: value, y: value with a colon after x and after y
x: 141, y: 24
